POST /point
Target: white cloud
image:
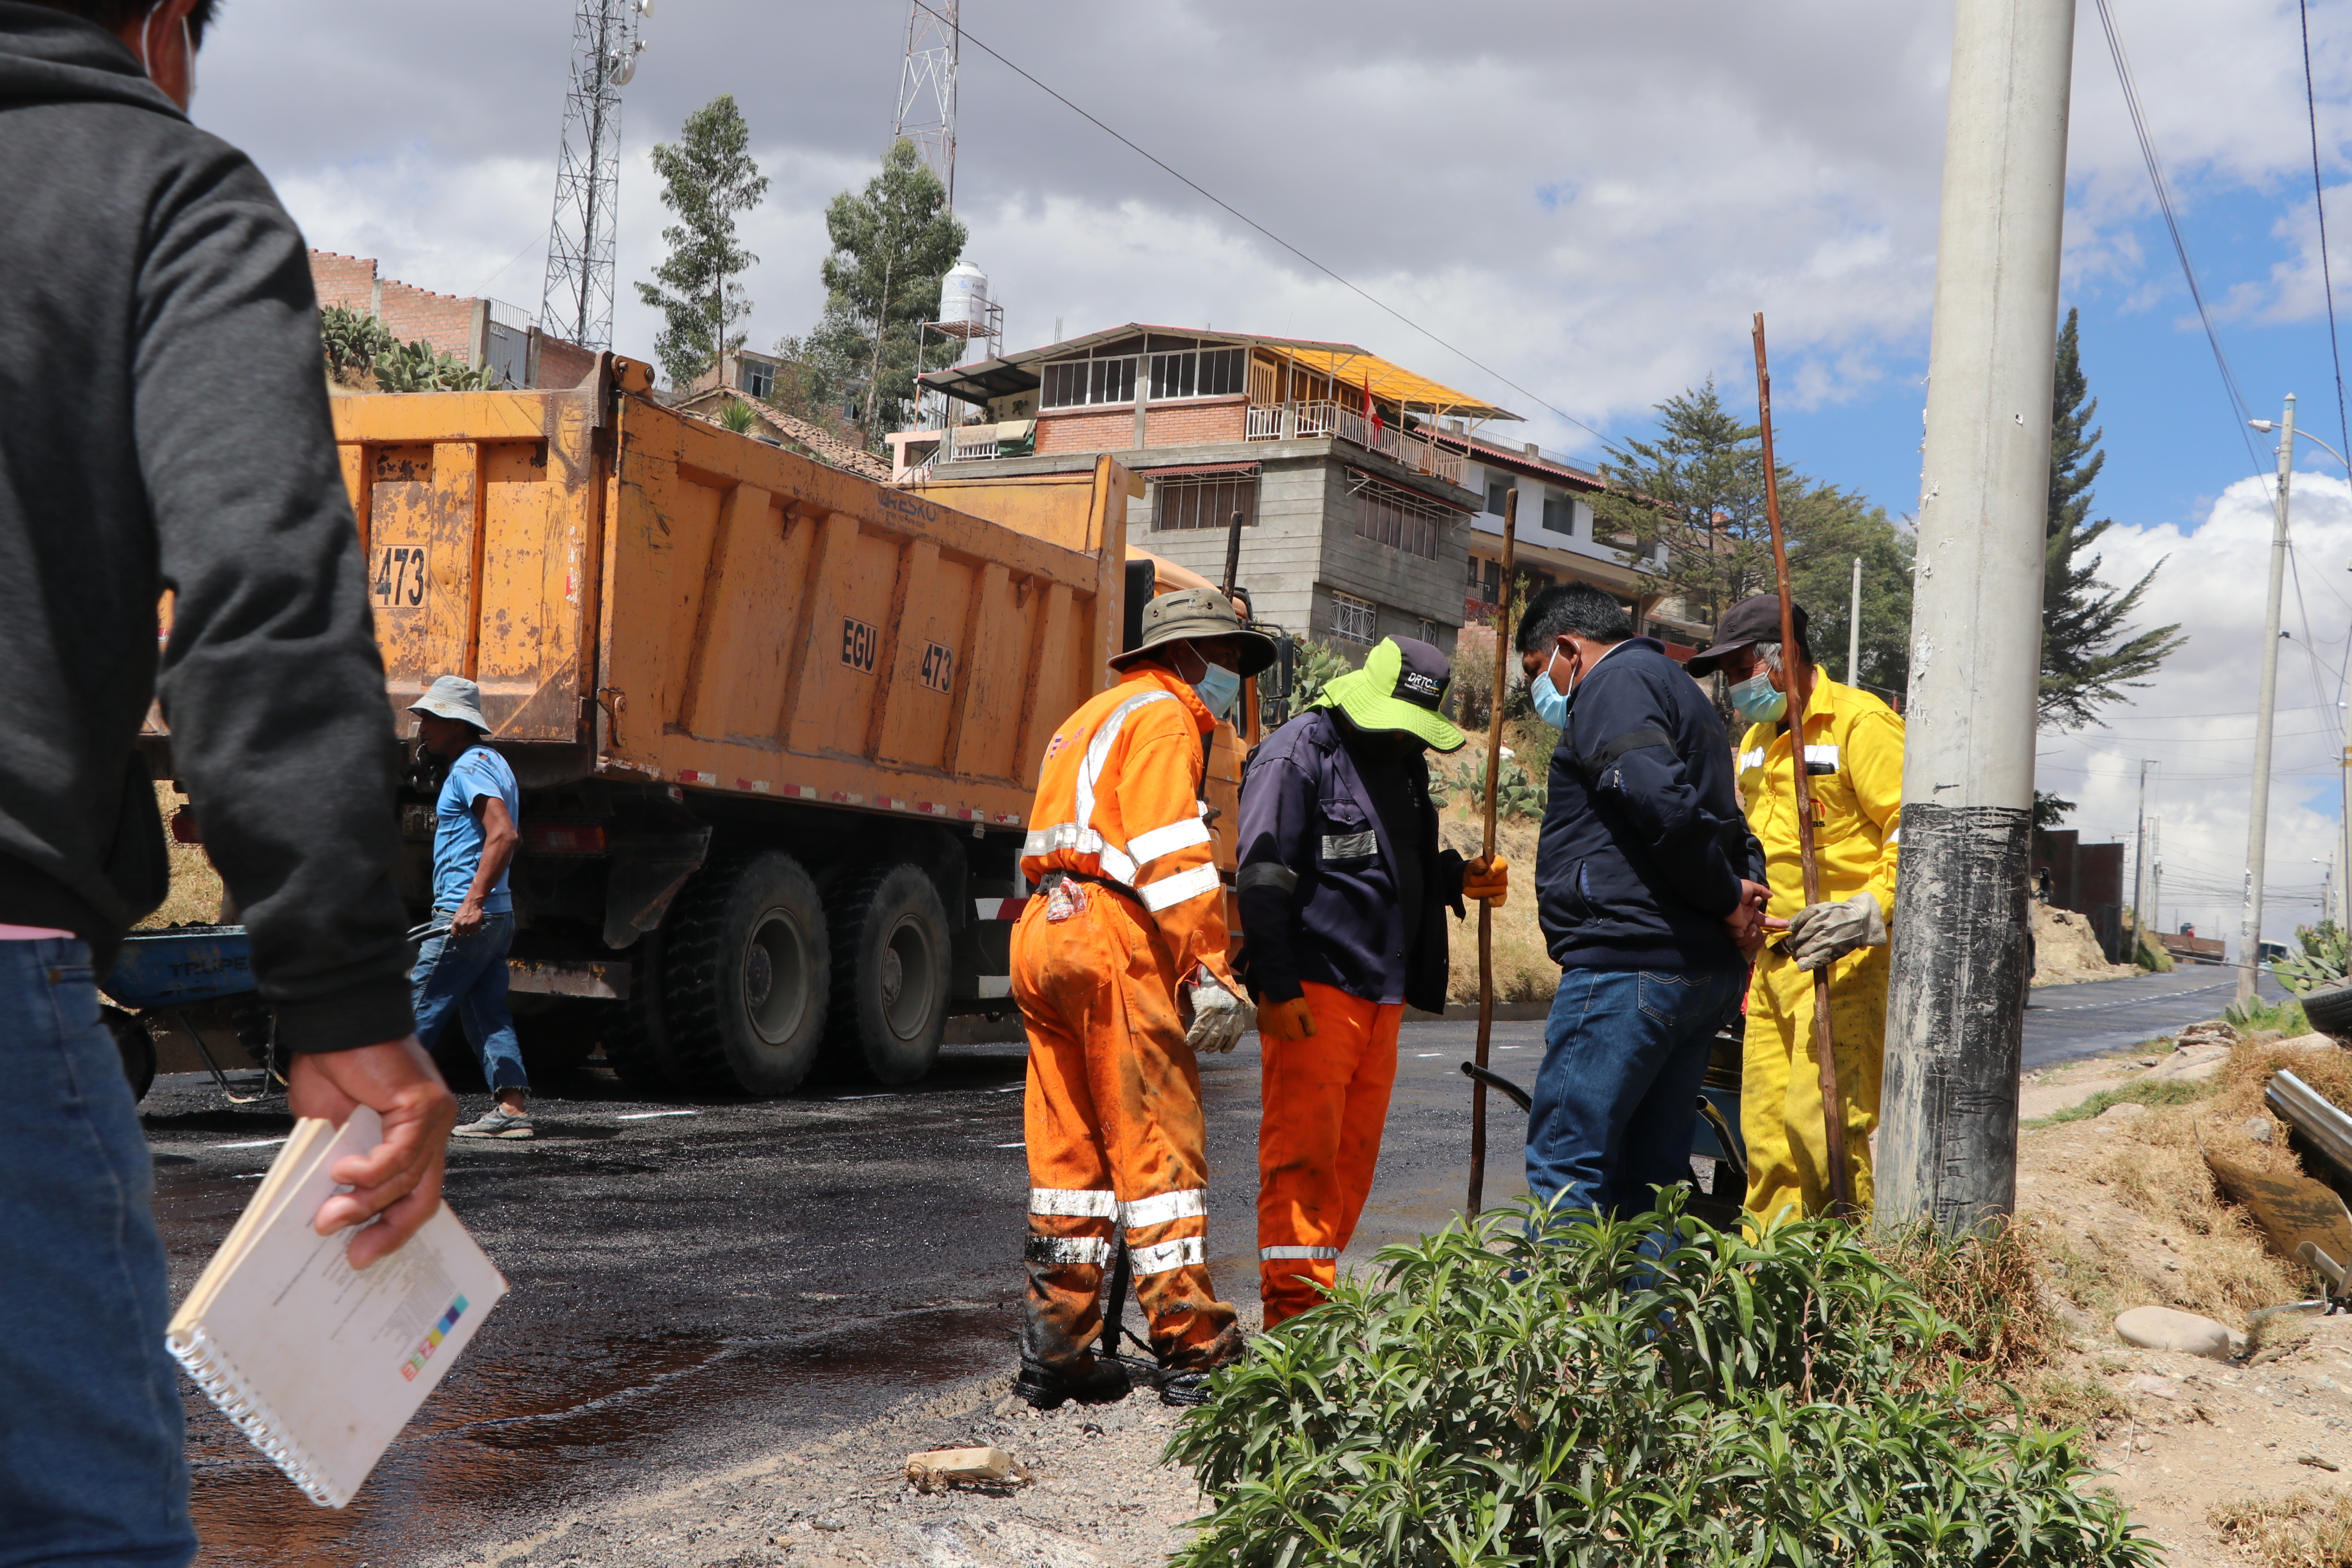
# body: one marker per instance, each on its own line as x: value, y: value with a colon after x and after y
x: 2197, y: 718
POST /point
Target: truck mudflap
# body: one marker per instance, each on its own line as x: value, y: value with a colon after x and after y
x: 604, y: 980
x: 648, y: 871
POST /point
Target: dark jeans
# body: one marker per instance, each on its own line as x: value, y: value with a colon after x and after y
x: 469, y: 977
x: 1623, y: 1054
x: 90, y: 1440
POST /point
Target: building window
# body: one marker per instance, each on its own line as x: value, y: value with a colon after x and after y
x: 1559, y: 514
x: 1203, y: 372
x: 1207, y: 500
x: 1388, y: 515
x: 1426, y: 631
x: 1077, y: 383
x: 759, y: 380
x: 1353, y: 619
x: 1498, y: 487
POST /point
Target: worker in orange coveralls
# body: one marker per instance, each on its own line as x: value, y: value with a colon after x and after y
x: 1342, y: 890
x: 1118, y: 964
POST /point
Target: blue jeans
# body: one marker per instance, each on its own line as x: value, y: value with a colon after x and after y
x: 91, y: 1468
x: 1625, y: 1051
x: 468, y: 976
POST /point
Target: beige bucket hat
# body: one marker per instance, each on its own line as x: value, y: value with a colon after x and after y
x: 1197, y: 613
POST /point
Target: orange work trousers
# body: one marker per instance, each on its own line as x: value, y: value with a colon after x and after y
x: 1325, y: 1101
x: 1114, y: 1132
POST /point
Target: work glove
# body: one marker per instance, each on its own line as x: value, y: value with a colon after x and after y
x: 1220, y: 1018
x: 1488, y: 879
x: 1823, y: 933
x: 1289, y: 1021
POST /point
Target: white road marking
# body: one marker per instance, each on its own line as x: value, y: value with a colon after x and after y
x: 1020, y: 1145
x: 1428, y: 1054
x: 257, y: 1143
x: 839, y: 1099
x: 649, y: 1115
x: 1009, y: 1089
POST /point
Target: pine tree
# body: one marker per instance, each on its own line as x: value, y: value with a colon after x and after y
x: 706, y: 178
x: 2090, y: 659
x: 892, y: 244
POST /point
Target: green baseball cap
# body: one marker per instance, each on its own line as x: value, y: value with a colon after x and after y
x: 1402, y: 685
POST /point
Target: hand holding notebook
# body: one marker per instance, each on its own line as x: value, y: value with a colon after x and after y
x: 321, y: 1362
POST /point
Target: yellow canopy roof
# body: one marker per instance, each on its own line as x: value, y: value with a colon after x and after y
x: 1390, y: 382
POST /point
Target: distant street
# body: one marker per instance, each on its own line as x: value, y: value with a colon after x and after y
x: 696, y: 1282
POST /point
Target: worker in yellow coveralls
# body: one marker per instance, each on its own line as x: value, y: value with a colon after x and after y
x: 1854, y: 763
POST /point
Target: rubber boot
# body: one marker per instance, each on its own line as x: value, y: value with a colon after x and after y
x: 1187, y: 1383
x: 1088, y: 1379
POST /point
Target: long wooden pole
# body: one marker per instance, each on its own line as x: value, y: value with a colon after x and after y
x: 1486, y: 910
x: 1801, y: 683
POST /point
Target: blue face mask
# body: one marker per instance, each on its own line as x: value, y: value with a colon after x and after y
x: 1755, y: 701
x: 1216, y: 689
x: 1550, y: 702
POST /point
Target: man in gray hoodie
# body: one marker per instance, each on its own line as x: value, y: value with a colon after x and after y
x: 163, y: 426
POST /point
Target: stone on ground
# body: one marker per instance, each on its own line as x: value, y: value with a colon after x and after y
x: 2163, y: 1328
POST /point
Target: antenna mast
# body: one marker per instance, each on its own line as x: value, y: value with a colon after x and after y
x: 927, y: 88
x: 577, y: 302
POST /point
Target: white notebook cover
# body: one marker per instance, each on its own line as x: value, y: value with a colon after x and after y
x: 319, y: 1363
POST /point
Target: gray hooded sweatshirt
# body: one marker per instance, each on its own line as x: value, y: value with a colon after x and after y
x: 163, y: 426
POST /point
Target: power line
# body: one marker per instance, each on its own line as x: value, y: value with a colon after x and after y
x: 1207, y: 194
x: 2319, y: 200
x: 2172, y: 226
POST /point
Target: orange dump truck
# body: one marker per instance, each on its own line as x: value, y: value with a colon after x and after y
x: 776, y: 726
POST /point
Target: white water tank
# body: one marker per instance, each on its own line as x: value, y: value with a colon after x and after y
x: 963, y: 299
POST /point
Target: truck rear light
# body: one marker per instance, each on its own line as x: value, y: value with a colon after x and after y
x: 564, y: 837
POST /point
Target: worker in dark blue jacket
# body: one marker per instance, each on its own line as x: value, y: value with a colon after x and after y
x: 1649, y: 892
x: 1342, y: 890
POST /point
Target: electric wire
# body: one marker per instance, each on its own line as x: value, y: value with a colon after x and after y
x: 2319, y: 202
x: 1207, y: 194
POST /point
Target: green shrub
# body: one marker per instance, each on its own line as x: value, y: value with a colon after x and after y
x: 352, y: 341
x: 2287, y: 1016
x: 1497, y: 1400
x: 2146, y: 1091
x: 420, y: 367
x: 2322, y: 962
x: 1522, y: 794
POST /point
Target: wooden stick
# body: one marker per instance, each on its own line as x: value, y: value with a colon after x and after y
x: 1801, y: 682
x: 1486, y: 910
x: 1232, y: 553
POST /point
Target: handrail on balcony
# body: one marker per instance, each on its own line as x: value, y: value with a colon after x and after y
x: 1298, y: 421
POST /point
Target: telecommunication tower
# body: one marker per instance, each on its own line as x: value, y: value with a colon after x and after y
x: 577, y: 303
x: 927, y: 87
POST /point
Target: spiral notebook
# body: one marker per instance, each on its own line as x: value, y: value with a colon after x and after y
x: 321, y: 1365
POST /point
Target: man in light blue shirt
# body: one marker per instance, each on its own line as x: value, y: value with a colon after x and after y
x: 464, y: 969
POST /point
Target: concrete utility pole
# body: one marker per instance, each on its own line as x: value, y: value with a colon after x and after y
x: 1955, y: 1012
x: 1853, y: 629
x: 2345, y: 883
x: 2139, y: 863
x: 2258, y: 822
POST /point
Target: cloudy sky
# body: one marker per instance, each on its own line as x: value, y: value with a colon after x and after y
x: 1585, y: 200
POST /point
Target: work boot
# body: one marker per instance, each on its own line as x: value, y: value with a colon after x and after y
x: 1089, y: 1380
x: 1186, y: 1379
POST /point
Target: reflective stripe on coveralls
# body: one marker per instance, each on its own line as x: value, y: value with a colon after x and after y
x: 1113, y: 1109
x: 1853, y: 753
x: 1327, y: 1101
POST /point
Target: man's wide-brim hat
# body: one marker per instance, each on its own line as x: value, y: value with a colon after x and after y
x: 1197, y: 614
x: 1402, y: 685
x: 453, y: 696
x: 1755, y: 619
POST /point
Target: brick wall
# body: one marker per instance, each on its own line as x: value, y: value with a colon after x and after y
x: 445, y: 320
x: 564, y: 365
x: 345, y: 280
x: 1193, y: 422
x: 1096, y: 431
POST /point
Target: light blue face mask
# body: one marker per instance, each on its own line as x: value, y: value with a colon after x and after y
x: 1549, y: 701
x: 1216, y: 689
x: 1755, y: 701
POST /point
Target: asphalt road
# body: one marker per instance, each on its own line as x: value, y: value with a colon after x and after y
x: 699, y: 1280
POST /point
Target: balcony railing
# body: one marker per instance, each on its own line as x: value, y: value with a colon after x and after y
x: 1302, y: 421
x: 970, y: 443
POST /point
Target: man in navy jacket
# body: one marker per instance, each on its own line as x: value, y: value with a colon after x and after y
x: 1649, y: 892
x: 1343, y: 889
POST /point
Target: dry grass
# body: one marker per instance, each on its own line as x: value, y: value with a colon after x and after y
x: 195, y: 895
x: 1990, y: 1287
x: 2304, y: 1530
x: 1524, y: 971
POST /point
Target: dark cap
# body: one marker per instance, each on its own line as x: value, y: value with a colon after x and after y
x: 1754, y: 619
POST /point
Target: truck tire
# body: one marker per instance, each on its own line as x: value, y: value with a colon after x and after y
x: 636, y: 1043
x: 892, y: 973
x: 137, y: 1047
x: 2329, y: 1009
x: 744, y: 976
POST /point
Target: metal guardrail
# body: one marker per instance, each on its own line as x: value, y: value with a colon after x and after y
x: 2314, y: 1115
x: 1305, y: 421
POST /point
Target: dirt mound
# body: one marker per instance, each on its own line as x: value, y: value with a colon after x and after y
x: 2066, y: 950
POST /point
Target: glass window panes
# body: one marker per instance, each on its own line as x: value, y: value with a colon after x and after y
x: 1078, y: 383
x: 759, y: 380
x: 1498, y: 487
x: 1559, y: 514
x: 1353, y: 618
x: 1397, y: 517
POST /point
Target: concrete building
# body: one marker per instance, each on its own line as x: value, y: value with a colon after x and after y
x: 1361, y: 485
x: 478, y: 331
